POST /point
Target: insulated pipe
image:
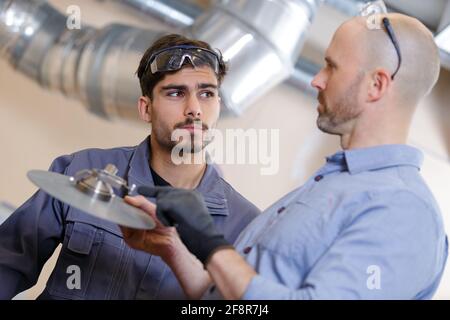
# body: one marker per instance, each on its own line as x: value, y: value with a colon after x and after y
x: 177, y: 13
x: 97, y: 66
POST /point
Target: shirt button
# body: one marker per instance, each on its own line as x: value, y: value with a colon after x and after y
x: 318, y: 178
x: 247, y: 250
x: 280, y: 210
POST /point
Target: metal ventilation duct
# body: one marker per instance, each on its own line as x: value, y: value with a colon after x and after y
x: 443, y: 37
x: 443, y: 42
x: 262, y: 40
x: 94, y: 66
x: 5, y: 211
x: 348, y: 7
x: 177, y: 13
x: 97, y: 65
x: 303, y: 75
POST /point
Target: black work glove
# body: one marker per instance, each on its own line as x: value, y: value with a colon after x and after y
x: 186, y: 210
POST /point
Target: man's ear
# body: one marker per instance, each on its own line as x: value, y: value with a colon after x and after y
x: 144, y: 108
x: 380, y: 81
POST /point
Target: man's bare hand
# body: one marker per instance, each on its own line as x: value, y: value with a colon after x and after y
x: 161, y: 241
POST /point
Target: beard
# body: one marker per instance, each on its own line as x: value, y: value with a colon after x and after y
x: 331, y: 120
x: 192, y: 142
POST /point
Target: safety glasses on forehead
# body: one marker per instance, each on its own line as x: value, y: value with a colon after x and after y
x: 372, y: 10
x: 173, y: 58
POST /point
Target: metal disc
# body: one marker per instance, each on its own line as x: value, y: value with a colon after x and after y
x: 114, y: 210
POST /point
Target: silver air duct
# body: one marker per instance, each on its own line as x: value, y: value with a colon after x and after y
x: 261, y: 39
x: 94, y: 66
x: 443, y: 42
x: 303, y: 75
x: 443, y: 37
x: 177, y: 13
x: 304, y: 70
x: 349, y: 7
x: 250, y: 31
x: 5, y: 211
x: 27, y: 35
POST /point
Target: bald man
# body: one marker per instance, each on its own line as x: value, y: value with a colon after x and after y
x: 365, y: 226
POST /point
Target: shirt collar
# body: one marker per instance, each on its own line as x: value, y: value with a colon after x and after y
x: 379, y: 157
x: 213, y: 192
x: 139, y: 173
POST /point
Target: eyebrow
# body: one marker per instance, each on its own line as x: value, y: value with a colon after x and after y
x: 184, y: 87
x: 330, y: 61
x: 207, y: 85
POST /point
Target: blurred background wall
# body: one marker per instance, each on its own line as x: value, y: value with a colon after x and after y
x: 37, y: 125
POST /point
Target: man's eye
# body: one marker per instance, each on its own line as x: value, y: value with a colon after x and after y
x: 177, y: 93
x: 331, y: 66
x: 207, y: 94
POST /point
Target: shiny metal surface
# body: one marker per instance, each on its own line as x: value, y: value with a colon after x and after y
x: 303, y: 75
x: 349, y: 7
x: 26, y: 33
x: 114, y: 210
x: 99, y: 183
x: 178, y: 13
x: 261, y: 39
x: 443, y: 42
x: 443, y: 37
x: 106, y: 70
x: 5, y: 211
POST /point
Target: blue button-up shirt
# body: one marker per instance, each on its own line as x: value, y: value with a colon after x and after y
x: 109, y: 269
x: 365, y: 226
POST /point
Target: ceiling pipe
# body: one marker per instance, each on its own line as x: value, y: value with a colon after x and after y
x: 303, y: 75
x: 261, y: 54
x: 299, y: 77
x: 97, y: 66
x: 443, y: 37
x: 5, y: 211
x: 350, y: 8
x: 176, y: 13
x: 303, y: 71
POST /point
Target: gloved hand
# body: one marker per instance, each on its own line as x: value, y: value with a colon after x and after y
x: 186, y: 210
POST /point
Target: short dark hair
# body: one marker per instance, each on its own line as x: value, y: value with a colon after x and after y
x: 148, y: 80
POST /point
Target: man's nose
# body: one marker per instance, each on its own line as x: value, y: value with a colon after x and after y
x: 319, y: 81
x: 193, y: 107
